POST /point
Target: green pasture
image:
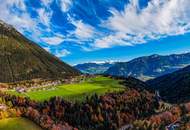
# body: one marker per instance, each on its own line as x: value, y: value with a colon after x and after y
x: 76, y: 91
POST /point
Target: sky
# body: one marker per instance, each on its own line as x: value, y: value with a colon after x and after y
x: 79, y: 31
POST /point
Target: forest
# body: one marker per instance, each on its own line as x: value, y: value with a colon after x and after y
x: 110, y: 111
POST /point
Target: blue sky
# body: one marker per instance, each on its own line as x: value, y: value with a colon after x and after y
x: 80, y: 31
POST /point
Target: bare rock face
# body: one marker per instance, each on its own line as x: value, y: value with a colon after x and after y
x: 22, y: 59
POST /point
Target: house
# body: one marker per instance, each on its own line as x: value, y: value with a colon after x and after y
x: 20, y: 90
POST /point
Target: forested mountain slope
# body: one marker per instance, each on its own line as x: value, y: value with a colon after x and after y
x: 148, y: 67
x: 22, y: 59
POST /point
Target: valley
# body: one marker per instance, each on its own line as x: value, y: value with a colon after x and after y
x: 73, y: 91
x: 95, y: 110
x: 84, y: 65
x: 91, y: 103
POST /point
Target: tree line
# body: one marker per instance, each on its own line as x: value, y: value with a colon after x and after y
x: 108, y: 112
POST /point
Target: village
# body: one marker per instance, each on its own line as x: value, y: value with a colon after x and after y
x: 41, y: 84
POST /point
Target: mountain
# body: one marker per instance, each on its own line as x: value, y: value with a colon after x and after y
x: 174, y: 87
x: 22, y: 59
x: 137, y: 84
x: 149, y: 67
x: 94, y: 68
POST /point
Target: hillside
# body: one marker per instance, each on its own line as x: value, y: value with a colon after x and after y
x: 94, y: 68
x: 131, y: 109
x: 136, y: 84
x: 109, y: 111
x: 174, y: 87
x: 22, y: 59
x: 149, y: 67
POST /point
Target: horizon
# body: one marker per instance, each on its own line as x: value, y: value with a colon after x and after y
x: 115, y: 61
x: 86, y: 31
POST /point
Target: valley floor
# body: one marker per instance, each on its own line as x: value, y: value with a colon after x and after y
x: 75, y: 91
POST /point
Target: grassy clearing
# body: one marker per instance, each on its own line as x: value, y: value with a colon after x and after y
x: 78, y: 91
x: 18, y: 124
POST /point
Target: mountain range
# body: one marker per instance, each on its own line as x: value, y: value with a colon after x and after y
x: 22, y: 59
x: 149, y: 67
x: 94, y: 68
x: 143, y: 68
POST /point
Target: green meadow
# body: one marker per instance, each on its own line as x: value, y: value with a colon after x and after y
x: 18, y: 123
x: 76, y: 91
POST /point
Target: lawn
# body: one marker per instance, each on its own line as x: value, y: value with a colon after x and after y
x: 18, y: 124
x: 76, y: 91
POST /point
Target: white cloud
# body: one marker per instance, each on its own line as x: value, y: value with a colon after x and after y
x: 22, y: 21
x: 62, y: 53
x: 111, y: 40
x: 82, y: 31
x: 45, y: 13
x: 45, y: 16
x: 65, y: 4
x: 17, y: 3
x: 134, y: 25
x: 46, y: 2
x: 55, y: 40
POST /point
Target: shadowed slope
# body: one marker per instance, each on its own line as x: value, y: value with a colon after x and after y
x: 22, y: 59
x: 174, y: 87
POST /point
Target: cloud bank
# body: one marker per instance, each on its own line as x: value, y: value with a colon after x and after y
x: 135, y: 25
x: 82, y: 24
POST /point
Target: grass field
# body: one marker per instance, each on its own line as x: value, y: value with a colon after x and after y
x: 18, y: 124
x: 77, y: 91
